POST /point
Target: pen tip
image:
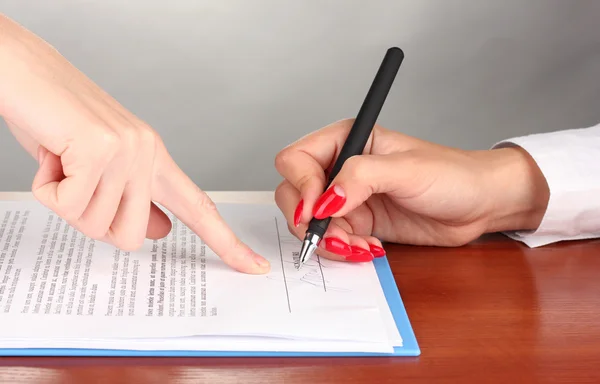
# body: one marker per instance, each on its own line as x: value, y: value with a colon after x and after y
x: 308, y: 248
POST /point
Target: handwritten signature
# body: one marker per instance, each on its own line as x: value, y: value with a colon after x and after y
x: 310, y: 275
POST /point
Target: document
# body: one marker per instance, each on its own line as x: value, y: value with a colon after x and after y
x: 61, y: 289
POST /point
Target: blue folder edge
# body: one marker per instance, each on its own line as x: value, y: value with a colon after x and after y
x: 410, y: 346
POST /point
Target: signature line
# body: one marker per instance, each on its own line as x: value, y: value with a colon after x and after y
x: 282, y: 267
x: 322, y: 275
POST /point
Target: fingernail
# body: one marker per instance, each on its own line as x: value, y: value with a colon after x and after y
x: 261, y: 261
x: 298, y: 213
x: 359, y: 258
x: 359, y: 255
x: 376, y: 250
x: 360, y: 251
x: 337, y: 246
x: 330, y: 202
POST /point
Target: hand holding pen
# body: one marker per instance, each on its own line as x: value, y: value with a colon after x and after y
x: 354, y: 145
x: 401, y: 189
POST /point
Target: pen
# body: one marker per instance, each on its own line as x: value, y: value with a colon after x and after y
x: 356, y: 141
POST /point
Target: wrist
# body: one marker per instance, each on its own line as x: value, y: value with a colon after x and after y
x: 517, y: 190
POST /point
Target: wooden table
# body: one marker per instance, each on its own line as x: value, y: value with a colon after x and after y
x: 493, y: 311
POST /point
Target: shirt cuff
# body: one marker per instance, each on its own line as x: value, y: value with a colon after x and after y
x: 570, y: 162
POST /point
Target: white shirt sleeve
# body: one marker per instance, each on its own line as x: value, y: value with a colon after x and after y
x: 570, y: 162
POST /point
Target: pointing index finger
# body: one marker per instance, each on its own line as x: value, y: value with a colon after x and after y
x: 195, y: 209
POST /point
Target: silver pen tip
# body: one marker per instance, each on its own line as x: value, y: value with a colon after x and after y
x: 309, y: 246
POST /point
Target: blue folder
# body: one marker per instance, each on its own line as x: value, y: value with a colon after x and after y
x: 410, y: 347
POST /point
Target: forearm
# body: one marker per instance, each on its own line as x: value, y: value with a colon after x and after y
x: 552, y: 183
x: 24, y: 58
x: 10, y: 67
x: 20, y: 50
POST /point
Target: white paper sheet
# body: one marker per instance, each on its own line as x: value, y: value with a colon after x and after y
x: 60, y: 288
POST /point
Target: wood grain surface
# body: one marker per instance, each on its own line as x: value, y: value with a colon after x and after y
x: 492, y: 311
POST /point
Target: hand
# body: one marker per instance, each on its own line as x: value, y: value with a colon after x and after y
x: 405, y: 190
x: 100, y: 167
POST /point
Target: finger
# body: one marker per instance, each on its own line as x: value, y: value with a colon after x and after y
x: 97, y: 218
x: 128, y: 229
x: 375, y: 246
x: 50, y: 168
x: 357, y: 241
x: 176, y: 192
x: 288, y: 200
x: 335, y: 244
x: 365, y: 175
x: 70, y: 195
x: 285, y: 197
x: 320, y: 251
x: 100, y: 213
x: 360, y: 220
x: 321, y: 146
x: 53, y: 189
x: 339, y: 245
x: 304, y: 163
x: 360, y: 249
x: 159, y: 224
x: 308, y: 178
x: 130, y: 223
x: 343, y: 223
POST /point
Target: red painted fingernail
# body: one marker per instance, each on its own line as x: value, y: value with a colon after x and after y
x: 359, y: 255
x: 359, y: 251
x: 337, y: 246
x: 298, y: 213
x: 376, y: 251
x: 330, y: 202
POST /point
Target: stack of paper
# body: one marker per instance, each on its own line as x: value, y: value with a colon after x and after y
x: 60, y: 289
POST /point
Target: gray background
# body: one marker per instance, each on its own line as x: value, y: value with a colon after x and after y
x: 247, y: 77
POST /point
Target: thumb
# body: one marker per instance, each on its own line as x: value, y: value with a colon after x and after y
x: 49, y: 175
x: 358, y: 179
x: 50, y: 172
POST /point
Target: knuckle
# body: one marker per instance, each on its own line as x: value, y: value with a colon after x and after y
x: 203, y: 205
x: 347, y: 122
x: 282, y: 159
x: 107, y: 144
x: 304, y: 182
x: 95, y: 232
x: 233, y: 250
x: 128, y: 138
x: 128, y: 244
x: 344, y: 125
x: 148, y: 137
x: 108, y: 139
x: 413, y: 156
x: 356, y: 167
x: 68, y: 210
x: 43, y: 198
x: 234, y: 247
x: 69, y: 213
